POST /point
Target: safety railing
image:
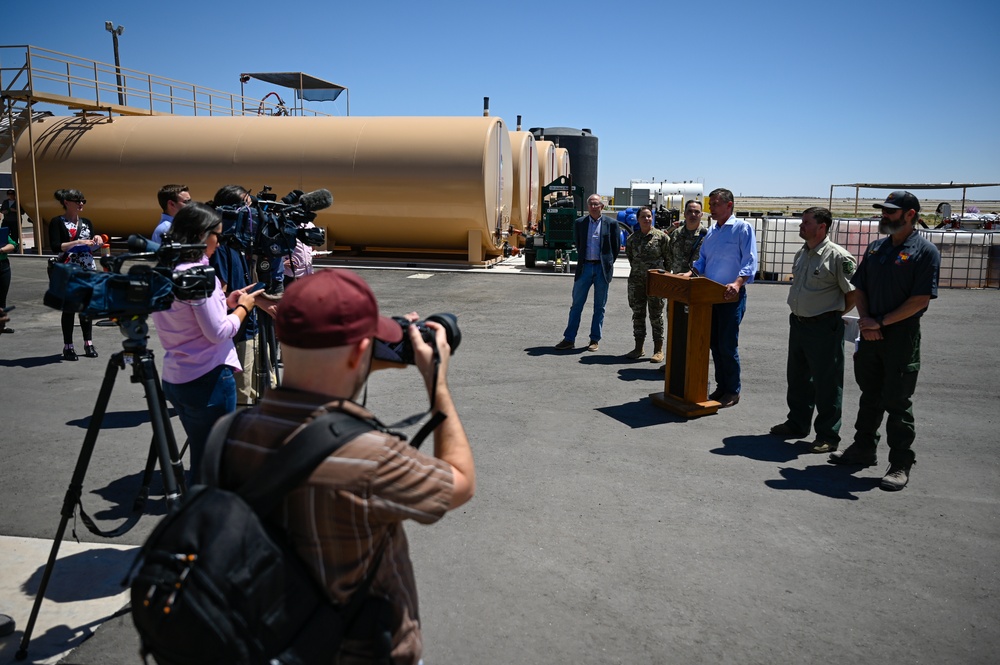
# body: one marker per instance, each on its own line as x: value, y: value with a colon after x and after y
x: 59, y: 78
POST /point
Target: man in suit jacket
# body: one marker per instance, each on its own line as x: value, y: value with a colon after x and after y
x: 597, y: 245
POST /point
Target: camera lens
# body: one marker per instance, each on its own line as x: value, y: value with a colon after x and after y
x: 450, y: 324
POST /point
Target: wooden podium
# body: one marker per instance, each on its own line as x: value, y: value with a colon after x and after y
x: 689, y: 331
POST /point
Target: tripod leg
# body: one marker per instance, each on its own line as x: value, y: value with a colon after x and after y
x: 163, y: 437
x: 74, y: 492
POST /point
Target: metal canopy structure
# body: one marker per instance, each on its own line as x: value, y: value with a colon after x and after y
x: 306, y: 87
x: 964, y: 186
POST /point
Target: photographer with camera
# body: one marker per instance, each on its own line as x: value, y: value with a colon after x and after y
x: 72, y: 237
x: 346, y: 520
x: 197, y: 335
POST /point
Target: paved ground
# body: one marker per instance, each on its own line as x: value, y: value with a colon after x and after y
x: 604, y: 530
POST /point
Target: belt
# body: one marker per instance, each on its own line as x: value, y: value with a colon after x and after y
x: 812, y: 319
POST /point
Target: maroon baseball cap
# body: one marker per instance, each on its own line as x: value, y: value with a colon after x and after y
x: 331, y: 308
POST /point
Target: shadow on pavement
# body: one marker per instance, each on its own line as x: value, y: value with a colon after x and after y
x: 650, y: 373
x: 641, y: 413
x: 122, y: 495
x: 97, y: 574
x: 535, y: 351
x: 762, y: 447
x: 120, y: 419
x: 28, y: 363
x: 829, y: 480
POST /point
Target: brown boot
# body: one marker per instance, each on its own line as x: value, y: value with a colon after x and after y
x: 638, y: 351
x: 657, y: 351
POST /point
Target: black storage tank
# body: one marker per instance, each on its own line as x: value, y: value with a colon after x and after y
x: 582, y: 147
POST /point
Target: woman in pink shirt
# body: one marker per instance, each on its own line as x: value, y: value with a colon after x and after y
x: 197, y: 335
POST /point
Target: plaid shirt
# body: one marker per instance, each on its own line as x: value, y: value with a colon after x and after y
x: 359, y: 496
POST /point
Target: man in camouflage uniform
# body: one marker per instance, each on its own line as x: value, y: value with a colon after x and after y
x: 820, y: 294
x: 685, y: 241
x: 646, y: 250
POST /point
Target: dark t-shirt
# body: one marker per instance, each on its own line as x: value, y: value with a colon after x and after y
x: 890, y: 275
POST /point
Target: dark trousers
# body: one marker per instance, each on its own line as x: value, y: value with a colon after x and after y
x: 815, y: 373
x: 886, y: 371
x: 4, y: 282
x: 86, y: 327
x: 725, y: 341
x: 199, y: 403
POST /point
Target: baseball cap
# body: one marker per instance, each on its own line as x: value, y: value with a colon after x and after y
x: 900, y: 200
x: 331, y: 308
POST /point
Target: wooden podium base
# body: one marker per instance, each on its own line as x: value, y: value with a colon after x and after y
x: 684, y: 408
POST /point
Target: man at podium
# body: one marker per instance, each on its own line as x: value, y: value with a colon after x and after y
x: 728, y: 256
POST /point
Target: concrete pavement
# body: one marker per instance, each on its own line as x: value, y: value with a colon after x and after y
x: 604, y: 530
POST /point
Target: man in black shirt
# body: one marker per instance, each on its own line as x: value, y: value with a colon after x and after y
x: 895, y: 283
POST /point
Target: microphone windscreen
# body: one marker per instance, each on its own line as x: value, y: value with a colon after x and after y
x: 317, y: 200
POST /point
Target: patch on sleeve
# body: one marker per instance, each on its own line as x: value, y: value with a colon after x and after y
x: 848, y: 267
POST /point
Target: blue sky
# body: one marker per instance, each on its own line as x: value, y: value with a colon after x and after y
x: 767, y: 99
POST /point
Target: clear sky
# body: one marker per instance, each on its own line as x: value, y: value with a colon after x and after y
x: 766, y: 98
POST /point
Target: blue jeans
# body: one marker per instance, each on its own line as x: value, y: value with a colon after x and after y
x: 199, y: 404
x: 725, y: 341
x: 588, y: 274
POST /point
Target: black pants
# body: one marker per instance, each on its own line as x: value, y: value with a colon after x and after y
x: 85, y: 327
x: 886, y: 371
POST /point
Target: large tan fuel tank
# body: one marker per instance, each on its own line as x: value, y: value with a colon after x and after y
x: 546, y: 168
x: 562, y: 162
x: 524, y: 210
x: 421, y: 183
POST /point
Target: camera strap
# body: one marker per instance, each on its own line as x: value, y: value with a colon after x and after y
x: 436, y: 418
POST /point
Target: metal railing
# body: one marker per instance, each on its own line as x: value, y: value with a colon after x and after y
x: 57, y: 78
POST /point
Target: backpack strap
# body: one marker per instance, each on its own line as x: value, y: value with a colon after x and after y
x: 295, y: 460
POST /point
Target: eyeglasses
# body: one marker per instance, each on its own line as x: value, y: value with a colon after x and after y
x: 218, y: 236
x: 80, y: 201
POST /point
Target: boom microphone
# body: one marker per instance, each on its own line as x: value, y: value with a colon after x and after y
x: 317, y: 200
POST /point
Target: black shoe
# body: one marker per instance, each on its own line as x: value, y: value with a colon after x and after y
x: 729, y: 399
x: 716, y: 394
x: 89, y: 351
x: 851, y: 456
x: 7, y: 330
x: 69, y: 354
x: 786, y: 431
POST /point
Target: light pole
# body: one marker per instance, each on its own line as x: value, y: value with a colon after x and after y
x: 115, y: 32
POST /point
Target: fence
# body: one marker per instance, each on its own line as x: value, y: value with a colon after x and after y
x: 969, y: 259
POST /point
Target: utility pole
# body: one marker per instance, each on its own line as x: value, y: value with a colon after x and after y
x: 115, y: 33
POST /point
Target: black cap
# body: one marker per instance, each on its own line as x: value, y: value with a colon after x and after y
x: 900, y: 200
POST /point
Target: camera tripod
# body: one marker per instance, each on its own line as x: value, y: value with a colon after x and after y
x: 163, y: 448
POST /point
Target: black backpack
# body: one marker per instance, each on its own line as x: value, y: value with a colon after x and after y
x: 215, y: 583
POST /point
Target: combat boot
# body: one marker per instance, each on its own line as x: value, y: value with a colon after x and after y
x: 638, y: 351
x: 657, y: 351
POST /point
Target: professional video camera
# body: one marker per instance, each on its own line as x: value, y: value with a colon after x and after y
x: 268, y: 229
x: 143, y: 289
x: 402, y: 351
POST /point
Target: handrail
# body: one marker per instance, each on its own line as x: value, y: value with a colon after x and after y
x: 67, y: 75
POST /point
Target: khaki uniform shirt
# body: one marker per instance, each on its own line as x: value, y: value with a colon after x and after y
x: 820, y: 278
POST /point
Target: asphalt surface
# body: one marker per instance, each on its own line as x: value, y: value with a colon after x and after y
x: 604, y: 530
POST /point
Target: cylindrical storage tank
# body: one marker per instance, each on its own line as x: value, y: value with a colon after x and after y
x: 547, y: 171
x: 420, y: 183
x: 582, y: 146
x: 524, y: 206
x: 691, y: 191
x: 562, y: 162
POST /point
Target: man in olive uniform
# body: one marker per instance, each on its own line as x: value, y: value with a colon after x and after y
x: 820, y: 294
x: 685, y: 241
x: 895, y: 283
x: 646, y: 250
